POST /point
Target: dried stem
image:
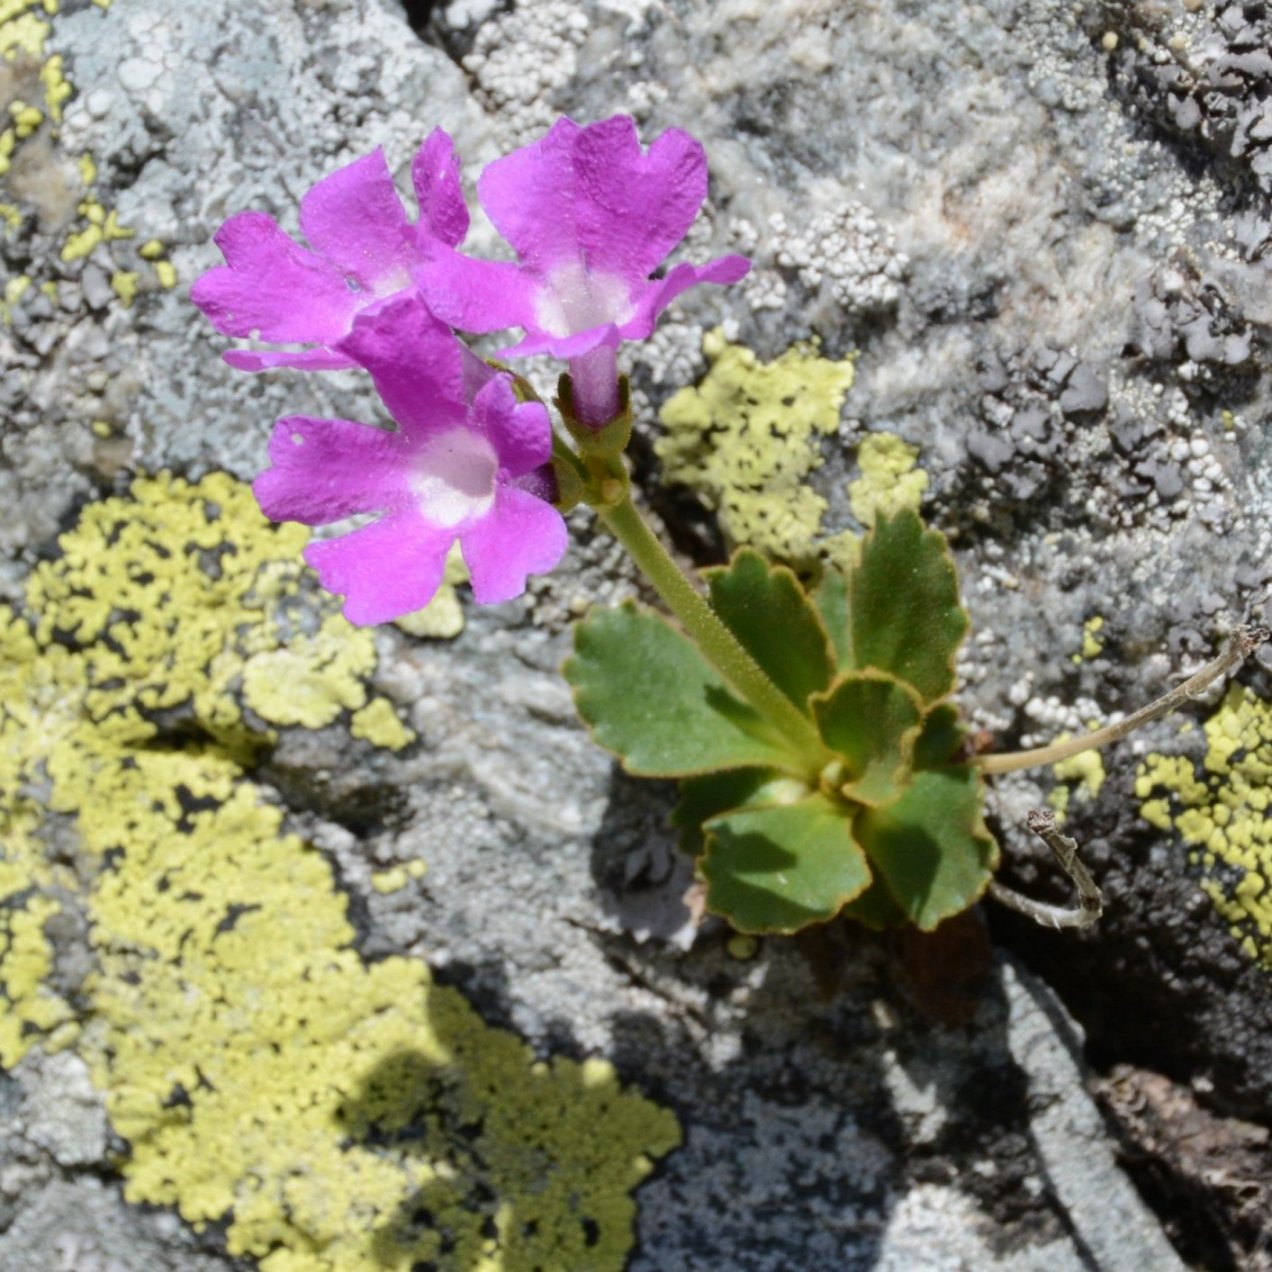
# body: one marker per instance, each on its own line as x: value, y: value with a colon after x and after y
x: 1065, y: 850
x: 1241, y: 644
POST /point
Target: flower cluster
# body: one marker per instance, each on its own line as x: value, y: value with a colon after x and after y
x: 591, y: 217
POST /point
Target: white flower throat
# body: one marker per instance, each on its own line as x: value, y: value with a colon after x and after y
x: 575, y: 300
x: 454, y: 477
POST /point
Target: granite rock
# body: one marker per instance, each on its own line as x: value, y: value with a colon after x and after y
x: 1036, y: 228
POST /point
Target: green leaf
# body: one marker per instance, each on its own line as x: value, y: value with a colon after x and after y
x: 704, y: 797
x: 875, y: 908
x: 652, y: 699
x: 931, y: 847
x: 769, y: 612
x: 784, y: 866
x: 905, y: 612
x: 871, y: 720
x: 942, y: 737
x: 831, y: 599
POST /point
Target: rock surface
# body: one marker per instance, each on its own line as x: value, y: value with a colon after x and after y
x: 1041, y: 230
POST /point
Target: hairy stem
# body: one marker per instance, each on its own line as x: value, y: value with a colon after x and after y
x: 717, y: 643
x: 1241, y: 644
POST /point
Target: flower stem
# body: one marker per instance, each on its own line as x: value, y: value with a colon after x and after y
x: 717, y: 643
x: 1241, y: 644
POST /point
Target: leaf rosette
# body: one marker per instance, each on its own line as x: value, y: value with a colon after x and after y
x: 891, y: 830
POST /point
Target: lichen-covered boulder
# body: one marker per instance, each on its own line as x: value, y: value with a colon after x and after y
x: 326, y: 949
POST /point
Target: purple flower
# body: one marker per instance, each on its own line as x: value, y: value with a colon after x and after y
x: 466, y: 463
x: 591, y: 217
x: 364, y: 248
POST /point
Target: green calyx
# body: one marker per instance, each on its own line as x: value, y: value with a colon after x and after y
x: 593, y: 471
x: 611, y: 439
x: 880, y: 816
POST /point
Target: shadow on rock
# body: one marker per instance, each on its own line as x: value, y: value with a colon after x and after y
x: 820, y: 1079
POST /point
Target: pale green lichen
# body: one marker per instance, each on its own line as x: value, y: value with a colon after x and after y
x: 745, y: 441
x: 890, y: 480
x: 1222, y: 812
x: 335, y: 1116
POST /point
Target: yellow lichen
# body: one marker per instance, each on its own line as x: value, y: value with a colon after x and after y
x: 312, y: 680
x: 745, y: 441
x: 166, y: 273
x: 1091, y: 647
x: 80, y: 244
x: 26, y: 119
x: 392, y: 880
x: 56, y: 88
x: 890, y: 480
x: 124, y: 283
x: 1222, y: 813
x: 13, y: 291
x: 1080, y: 775
x: 24, y: 34
x: 1058, y: 801
x: 1086, y: 771
x: 333, y: 1115
x: 378, y: 724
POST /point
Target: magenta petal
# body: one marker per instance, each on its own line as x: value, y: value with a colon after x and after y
x: 389, y: 568
x: 301, y: 359
x: 521, y: 535
x: 572, y: 346
x: 521, y: 433
x: 272, y: 286
x: 416, y: 362
x: 435, y: 173
x: 633, y: 208
x: 355, y: 218
x: 658, y: 295
x: 325, y: 470
x: 529, y: 195
x: 475, y: 295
